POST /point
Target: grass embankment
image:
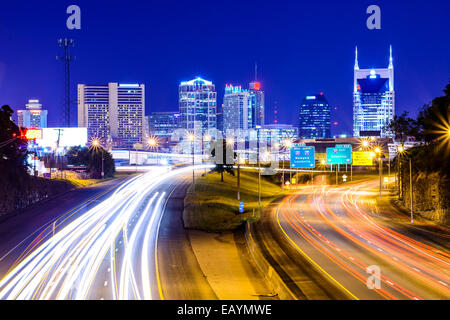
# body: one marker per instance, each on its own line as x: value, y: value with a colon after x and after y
x: 81, y: 183
x: 214, y: 206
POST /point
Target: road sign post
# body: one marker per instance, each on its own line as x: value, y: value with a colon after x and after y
x: 341, y: 154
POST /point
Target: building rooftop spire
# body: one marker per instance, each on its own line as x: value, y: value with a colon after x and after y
x: 356, y: 58
x: 391, y: 62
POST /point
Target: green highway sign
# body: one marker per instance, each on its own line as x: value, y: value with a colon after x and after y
x: 341, y: 154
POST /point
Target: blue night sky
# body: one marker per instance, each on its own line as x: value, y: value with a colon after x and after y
x: 301, y: 47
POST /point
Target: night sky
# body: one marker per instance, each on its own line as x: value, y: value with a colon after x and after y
x: 301, y: 47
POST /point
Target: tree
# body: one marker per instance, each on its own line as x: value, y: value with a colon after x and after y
x: 403, y: 127
x: 91, y: 158
x: 78, y: 156
x: 13, y: 148
x: 225, y: 157
x: 435, y: 118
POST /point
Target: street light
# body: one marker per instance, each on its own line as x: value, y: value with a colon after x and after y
x: 400, y: 151
x: 378, y: 150
x: 287, y: 146
x: 191, y: 138
x: 96, y: 143
x: 206, y: 138
x: 153, y: 144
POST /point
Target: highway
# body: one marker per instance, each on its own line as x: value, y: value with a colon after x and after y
x: 110, y: 251
x: 340, y: 232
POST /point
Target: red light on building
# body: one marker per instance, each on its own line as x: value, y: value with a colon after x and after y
x: 359, y: 87
x: 33, y: 134
x: 335, y: 123
x: 257, y: 86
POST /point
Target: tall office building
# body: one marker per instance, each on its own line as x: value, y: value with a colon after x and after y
x: 314, y: 118
x: 198, y: 103
x: 373, y: 99
x: 113, y: 113
x: 33, y: 116
x: 257, y: 102
x: 163, y: 124
x: 237, y: 109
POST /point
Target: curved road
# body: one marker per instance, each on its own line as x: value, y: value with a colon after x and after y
x: 108, y: 252
x: 336, y: 230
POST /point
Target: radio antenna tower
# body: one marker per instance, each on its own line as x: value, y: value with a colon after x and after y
x: 66, y: 59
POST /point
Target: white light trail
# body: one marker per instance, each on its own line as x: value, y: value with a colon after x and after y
x: 68, y: 265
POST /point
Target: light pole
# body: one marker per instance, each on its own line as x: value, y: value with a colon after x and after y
x: 206, y: 138
x: 259, y: 178
x: 103, y: 166
x: 287, y: 145
x: 152, y: 143
x: 96, y: 144
x: 411, y: 190
x: 230, y: 142
x: 399, y: 153
x: 378, y: 150
x: 191, y: 138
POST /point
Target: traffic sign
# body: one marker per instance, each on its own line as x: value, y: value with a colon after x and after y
x: 303, y: 157
x: 241, y: 207
x: 341, y: 154
x: 362, y: 158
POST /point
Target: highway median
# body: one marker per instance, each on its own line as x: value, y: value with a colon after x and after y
x: 214, y: 207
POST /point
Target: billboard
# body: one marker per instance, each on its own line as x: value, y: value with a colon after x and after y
x: 341, y: 154
x: 302, y: 157
x: 362, y: 158
x: 33, y: 134
x: 64, y: 137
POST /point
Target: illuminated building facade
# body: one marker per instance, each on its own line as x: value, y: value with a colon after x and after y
x: 257, y: 102
x: 237, y: 109
x: 163, y: 124
x: 314, y: 118
x: 113, y: 112
x: 198, y: 105
x: 373, y: 99
x: 33, y: 116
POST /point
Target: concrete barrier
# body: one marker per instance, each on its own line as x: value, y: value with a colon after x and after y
x: 270, y: 274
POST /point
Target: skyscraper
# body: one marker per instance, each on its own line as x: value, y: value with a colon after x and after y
x: 113, y: 112
x: 257, y: 102
x: 237, y: 109
x: 373, y: 99
x: 314, y: 117
x: 197, y: 103
x: 163, y: 124
x: 33, y: 116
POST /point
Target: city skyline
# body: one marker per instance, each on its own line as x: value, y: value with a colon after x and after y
x: 288, y: 67
x: 229, y: 159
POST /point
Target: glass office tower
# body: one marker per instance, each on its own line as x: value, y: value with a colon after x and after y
x: 197, y: 103
x: 373, y: 99
x: 314, y: 118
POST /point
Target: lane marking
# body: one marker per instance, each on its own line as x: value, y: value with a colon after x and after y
x: 311, y: 260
